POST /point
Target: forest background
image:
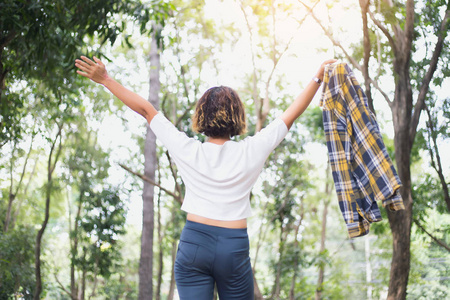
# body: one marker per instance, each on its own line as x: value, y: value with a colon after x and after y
x: 83, y: 218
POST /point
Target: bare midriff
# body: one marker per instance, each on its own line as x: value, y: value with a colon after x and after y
x: 219, y: 223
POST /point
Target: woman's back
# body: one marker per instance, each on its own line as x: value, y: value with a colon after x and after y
x: 218, y: 178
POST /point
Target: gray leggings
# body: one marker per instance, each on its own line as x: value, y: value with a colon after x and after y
x: 209, y: 255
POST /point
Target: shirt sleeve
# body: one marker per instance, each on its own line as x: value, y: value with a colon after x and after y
x: 268, y: 138
x: 176, y: 141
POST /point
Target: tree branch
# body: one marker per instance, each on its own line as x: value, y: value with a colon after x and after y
x: 174, y: 174
x: 332, y: 39
x: 364, y: 4
x: 63, y: 288
x: 384, y: 30
x: 12, y: 196
x: 437, y: 165
x: 264, y: 109
x: 424, y: 88
x: 350, y: 58
x: 186, y: 111
x: 4, y: 42
x: 254, y: 78
x: 440, y: 243
x: 409, y: 25
x: 51, y: 167
x: 146, y: 179
x: 26, y: 162
x: 24, y: 193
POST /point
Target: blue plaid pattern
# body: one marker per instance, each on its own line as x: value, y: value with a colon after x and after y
x: 361, y: 167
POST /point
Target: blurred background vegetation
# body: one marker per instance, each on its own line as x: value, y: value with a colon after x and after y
x: 72, y: 158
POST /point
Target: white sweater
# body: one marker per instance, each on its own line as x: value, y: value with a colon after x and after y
x: 218, y: 178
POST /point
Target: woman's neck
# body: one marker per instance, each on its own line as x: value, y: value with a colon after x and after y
x: 218, y: 140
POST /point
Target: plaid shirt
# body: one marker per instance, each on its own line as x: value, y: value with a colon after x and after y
x: 362, y: 169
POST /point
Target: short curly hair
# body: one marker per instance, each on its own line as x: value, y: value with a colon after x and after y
x: 220, y: 112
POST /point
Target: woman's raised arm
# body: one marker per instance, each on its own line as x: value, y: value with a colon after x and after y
x: 96, y: 71
x: 304, y: 99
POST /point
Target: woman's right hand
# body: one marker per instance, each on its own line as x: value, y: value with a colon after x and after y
x: 95, y: 71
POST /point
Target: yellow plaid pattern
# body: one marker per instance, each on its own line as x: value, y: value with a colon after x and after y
x: 361, y: 167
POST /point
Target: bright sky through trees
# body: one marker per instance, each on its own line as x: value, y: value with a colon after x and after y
x: 309, y: 47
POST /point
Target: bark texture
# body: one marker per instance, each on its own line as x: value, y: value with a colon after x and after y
x: 52, y: 161
x: 405, y: 114
x: 146, y: 258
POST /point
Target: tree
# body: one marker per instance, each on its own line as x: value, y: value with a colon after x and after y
x: 87, y: 168
x: 435, y: 131
x: 16, y: 263
x: 102, y: 223
x: 262, y: 19
x: 146, y: 261
x: 16, y: 187
x: 176, y: 105
x: 53, y: 158
x: 39, y: 41
x: 396, y: 22
x: 41, y: 38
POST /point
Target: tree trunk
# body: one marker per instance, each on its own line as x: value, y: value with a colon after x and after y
x: 50, y: 168
x: 323, y: 235
x: 257, y: 291
x: 94, y: 288
x: 73, y: 286
x: 161, y: 251
x: 296, y: 248
x: 3, y: 73
x: 13, y: 195
x: 8, y: 212
x: 83, y: 284
x: 368, y: 267
x: 172, y: 273
x: 400, y: 221
x: 364, y: 4
x: 146, y: 259
x: 405, y: 120
x: 174, y: 242
x: 19, y: 205
x: 319, y: 287
x: 277, y: 283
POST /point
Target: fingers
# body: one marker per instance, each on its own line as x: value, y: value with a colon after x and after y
x: 80, y: 63
x: 330, y: 61
x: 87, y: 67
x: 83, y: 66
x: 98, y: 61
x: 94, y: 70
x: 83, y: 74
x: 87, y: 60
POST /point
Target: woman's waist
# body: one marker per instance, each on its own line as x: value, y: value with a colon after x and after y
x: 216, y: 211
x: 231, y: 224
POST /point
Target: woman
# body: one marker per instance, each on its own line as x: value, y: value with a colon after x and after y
x: 219, y: 175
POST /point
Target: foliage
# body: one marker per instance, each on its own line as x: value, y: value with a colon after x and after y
x: 427, y: 193
x: 17, y: 263
x: 41, y: 39
x: 38, y: 44
x: 313, y: 120
x: 102, y: 224
x: 429, y: 268
x: 291, y: 189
